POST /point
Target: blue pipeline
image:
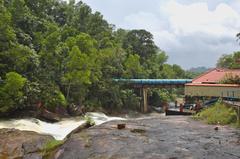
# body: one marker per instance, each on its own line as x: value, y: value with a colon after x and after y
x: 154, y: 81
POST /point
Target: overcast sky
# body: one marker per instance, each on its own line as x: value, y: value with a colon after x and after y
x: 192, y: 32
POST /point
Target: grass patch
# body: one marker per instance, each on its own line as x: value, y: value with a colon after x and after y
x: 89, y: 121
x: 218, y: 114
x: 51, y: 145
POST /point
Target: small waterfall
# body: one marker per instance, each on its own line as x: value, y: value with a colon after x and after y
x: 59, y: 129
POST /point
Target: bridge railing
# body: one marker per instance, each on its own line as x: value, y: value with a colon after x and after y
x: 154, y: 81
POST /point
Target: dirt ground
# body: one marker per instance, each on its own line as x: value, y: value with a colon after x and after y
x: 153, y: 137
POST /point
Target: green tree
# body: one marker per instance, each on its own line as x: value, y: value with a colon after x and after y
x: 167, y: 72
x: 154, y: 65
x: 140, y: 42
x: 70, y: 54
x: 119, y: 36
x: 21, y: 59
x: 133, y: 68
x: 179, y: 72
x: 229, y: 61
x: 78, y: 72
x: 225, y: 61
x: 52, y: 97
x: 236, y: 59
x: 11, y: 92
x: 81, y: 17
x: 104, y: 92
x: 7, y: 35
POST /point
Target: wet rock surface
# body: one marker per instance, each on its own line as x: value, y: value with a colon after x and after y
x: 49, y: 116
x: 21, y: 144
x: 153, y: 138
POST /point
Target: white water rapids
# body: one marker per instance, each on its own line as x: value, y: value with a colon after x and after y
x: 59, y: 129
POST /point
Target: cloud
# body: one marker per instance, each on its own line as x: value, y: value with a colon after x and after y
x: 142, y: 20
x: 196, y: 17
x: 192, y: 34
x: 204, y: 35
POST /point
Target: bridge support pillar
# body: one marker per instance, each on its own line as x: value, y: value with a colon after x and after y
x: 238, y: 115
x: 145, y: 100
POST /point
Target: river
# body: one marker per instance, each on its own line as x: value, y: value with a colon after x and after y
x: 58, y: 130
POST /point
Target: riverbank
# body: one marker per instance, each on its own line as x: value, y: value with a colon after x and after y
x: 32, y: 138
x: 155, y: 137
x: 220, y: 113
x: 149, y: 136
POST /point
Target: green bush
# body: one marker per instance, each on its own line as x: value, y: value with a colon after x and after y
x: 11, y: 92
x: 111, y: 98
x: 218, y: 114
x: 52, y: 97
x: 130, y: 99
x: 158, y: 97
x: 89, y: 120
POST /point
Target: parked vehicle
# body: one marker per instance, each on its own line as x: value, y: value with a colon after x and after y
x: 189, y: 106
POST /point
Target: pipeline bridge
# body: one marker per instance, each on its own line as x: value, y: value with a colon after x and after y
x: 145, y: 84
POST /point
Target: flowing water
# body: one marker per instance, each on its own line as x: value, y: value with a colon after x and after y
x: 59, y: 129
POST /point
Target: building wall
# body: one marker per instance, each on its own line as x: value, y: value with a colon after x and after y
x: 212, y: 91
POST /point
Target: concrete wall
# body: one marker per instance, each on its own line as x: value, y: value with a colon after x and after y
x: 212, y: 91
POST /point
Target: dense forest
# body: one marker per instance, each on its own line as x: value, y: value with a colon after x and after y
x: 55, y: 53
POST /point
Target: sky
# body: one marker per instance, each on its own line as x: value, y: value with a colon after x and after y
x: 193, y: 33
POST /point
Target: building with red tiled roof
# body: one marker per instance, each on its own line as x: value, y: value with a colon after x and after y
x: 209, y: 84
x: 216, y: 75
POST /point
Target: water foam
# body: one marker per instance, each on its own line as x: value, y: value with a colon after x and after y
x: 59, y: 129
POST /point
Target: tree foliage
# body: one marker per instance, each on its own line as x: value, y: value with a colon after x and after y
x: 133, y: 68
x: 231, y: 61
x: 58, y: 53
x: 230, y: 79
x: 11, y: 92
x: 140, y: 42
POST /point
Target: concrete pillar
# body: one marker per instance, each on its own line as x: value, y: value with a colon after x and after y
x: 145, y: 102
x: 141, y: 103
x: 238, y: 115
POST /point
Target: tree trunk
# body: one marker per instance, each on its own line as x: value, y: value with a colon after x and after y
x: 68, y: 91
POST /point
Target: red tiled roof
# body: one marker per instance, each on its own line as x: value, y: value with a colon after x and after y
x: 211, y: 85
x: 215, y: 75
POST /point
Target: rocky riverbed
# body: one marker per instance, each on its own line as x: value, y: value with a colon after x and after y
x: 153, y: 138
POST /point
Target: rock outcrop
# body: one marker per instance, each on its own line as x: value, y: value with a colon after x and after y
x: 22, y: 144
x: 149, y: 138
x: 152, y: 138
x: 49, y: 116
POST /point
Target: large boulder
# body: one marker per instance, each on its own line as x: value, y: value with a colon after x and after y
x: 22, y: 144
x: 49, y: 116
x: 177, y: 137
